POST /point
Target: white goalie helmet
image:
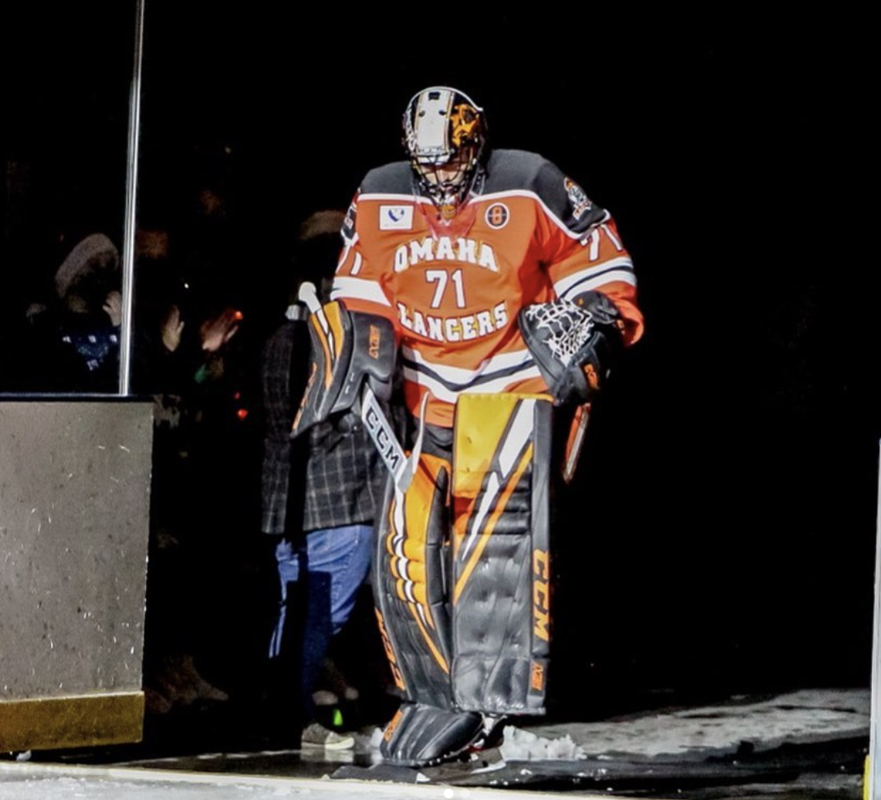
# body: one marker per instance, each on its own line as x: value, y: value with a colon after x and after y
x: 445, y: 138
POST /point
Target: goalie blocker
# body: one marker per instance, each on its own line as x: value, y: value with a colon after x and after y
x: 350, y: 349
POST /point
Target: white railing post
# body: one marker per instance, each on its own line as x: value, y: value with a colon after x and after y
x: 872, y: 787
x: 131, y: 195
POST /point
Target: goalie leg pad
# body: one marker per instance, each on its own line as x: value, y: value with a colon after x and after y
x: 501, y: 571
x: 410, y: 584
x: 419, y: 735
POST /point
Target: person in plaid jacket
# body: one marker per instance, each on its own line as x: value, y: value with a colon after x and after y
x: 319, y: 496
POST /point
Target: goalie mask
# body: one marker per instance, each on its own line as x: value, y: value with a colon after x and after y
x: 445, y: 137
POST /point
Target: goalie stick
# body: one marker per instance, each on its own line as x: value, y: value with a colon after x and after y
x: 575, y: 441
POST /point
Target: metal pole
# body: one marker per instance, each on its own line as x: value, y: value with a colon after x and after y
x: 131, y: 194
x: 872, y: 787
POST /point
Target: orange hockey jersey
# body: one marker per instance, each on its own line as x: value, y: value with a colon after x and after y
x: 528, y: 234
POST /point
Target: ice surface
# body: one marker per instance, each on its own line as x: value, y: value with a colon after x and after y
x: 674, y: 737
x: 801, y: 717
x: 797, y: 718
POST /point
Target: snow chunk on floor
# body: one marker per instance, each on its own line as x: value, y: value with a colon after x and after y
x: 520, y: 745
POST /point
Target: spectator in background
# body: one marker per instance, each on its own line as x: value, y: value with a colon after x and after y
x: 180, y: 347
x: 319, y: 497
x: 73, y: 340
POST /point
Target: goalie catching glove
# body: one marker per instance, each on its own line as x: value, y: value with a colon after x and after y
x: 573, y: 343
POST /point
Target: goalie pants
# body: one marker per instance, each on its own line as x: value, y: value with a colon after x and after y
x: 462, y: 569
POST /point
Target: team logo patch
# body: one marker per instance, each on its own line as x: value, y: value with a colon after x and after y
x: 579, y: 200
x: 497, y: 215
x: 395, y: 218
x: 348, y: 230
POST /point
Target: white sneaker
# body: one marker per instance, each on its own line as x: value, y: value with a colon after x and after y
x: 316, y: 735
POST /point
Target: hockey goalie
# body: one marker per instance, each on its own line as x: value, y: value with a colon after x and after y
x: 498, y: 292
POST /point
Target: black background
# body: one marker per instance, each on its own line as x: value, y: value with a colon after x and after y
x: 720, y: 534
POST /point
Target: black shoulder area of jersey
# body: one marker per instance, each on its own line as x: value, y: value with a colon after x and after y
x: 395, y: 178
x: 512, y: 170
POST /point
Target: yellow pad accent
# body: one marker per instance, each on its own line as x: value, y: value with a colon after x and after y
x: 407, y: 548
x: 491, y: 433
x: 481, y: 421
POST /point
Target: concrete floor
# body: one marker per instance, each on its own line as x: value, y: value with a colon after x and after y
x: 805, y: 745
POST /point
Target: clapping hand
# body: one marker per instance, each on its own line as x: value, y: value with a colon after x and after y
x: 172, y: 328
x: 217, y: 331
x: 113, y: 307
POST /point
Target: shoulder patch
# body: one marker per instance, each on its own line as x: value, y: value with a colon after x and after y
x: 348, y: 229
x: 579, y: 201
x: 395, y: 217
x: 497, y: 215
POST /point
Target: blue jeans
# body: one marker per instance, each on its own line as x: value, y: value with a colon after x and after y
x: 320, y: 574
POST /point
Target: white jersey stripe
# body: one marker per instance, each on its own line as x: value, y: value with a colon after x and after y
x: 533, y: 196
x: 594, y: 252
x: 600, y: 280
x: 619, y: 264
x: 441, y: 392
x: 386, y: 197
x: 489, y: 197
x: 461, y: 375
x: 614, y: 239
x: 358, y: 289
